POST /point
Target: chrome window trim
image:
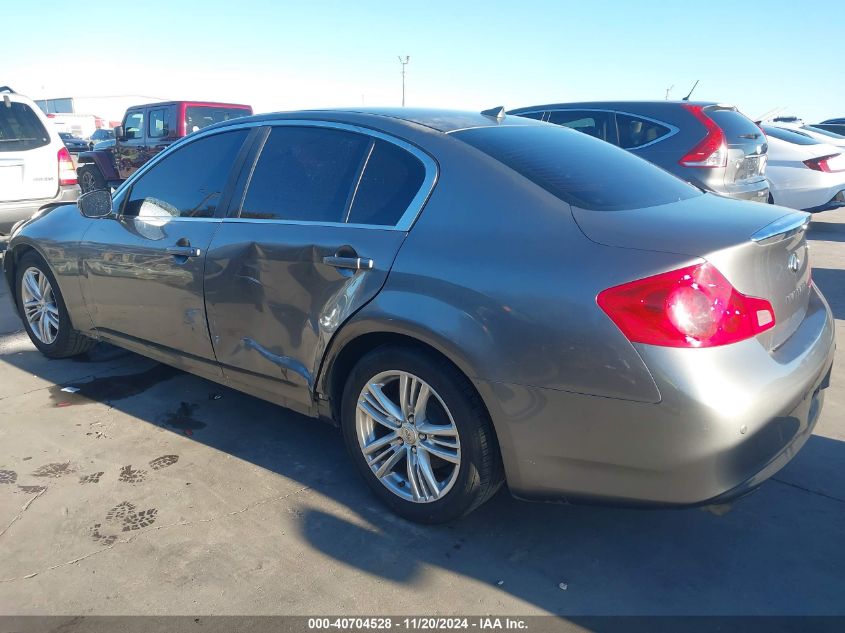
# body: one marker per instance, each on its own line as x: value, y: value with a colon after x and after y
x: 672, y: 129
x: 411, y: 213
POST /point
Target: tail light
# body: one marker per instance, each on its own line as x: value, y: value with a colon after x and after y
x: 829, y: 164
x: 711, y: 151
x: 67, y: 173
x: 690, y: 307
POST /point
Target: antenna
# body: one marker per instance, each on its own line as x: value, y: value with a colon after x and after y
x: 404, y: 63
x: 690, y: 92
x: 668, y: 90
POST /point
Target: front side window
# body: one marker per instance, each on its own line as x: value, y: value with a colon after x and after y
x: 305, y: 174
x: 134, y: 126
x: 635, y: 132
x: 189, y: 182
x: 578, y: 169
x: 591, y: 122
x: 20, y: 128
x: 158, y: 123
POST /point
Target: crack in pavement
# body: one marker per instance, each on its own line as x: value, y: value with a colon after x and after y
x: 811, y: 491
x: 154, y: 529
x: 23, y: 509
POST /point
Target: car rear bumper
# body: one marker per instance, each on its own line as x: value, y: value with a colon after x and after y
x: 13, y: 212
x: 756, y: 191
x: 729, y: 418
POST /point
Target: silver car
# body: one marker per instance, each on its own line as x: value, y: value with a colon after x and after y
x: 474, y: 299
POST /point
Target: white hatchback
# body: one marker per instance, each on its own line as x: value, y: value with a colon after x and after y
x: 36, y: 170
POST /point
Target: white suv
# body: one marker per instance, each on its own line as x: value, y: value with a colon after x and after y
x: 36, y: 170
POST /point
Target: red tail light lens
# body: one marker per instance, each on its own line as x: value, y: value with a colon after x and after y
x: 67, y: 173
x: 828, y: 164
x: 690, y: 307
x: 712, y: 150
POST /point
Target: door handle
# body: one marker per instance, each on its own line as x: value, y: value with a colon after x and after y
x: 350, y: 263
x: 184, y: 251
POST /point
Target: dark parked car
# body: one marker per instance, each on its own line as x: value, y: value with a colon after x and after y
x: 713, y: 146
x: 145, y: 131
x: 74, y: 144
x: 99, y: 136
x: 472, y: 299
x: 833, y: 125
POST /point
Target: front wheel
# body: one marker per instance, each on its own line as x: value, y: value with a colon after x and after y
x: 43, y: 310
x: 90, y: 178
x: 419, y: 434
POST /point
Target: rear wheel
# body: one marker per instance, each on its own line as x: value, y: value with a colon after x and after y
x: 43, y: 310
x: 90, y: 178
x: 419, y: 434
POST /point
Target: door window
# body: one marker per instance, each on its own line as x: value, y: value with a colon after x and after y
x: 158, y: 123
x: 636, y: 132
x: 134, y: 127
x: 189, y: 182
x: 305, y: 174
x: 597, y: 124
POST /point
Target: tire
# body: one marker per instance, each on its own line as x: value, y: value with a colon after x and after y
x: 90, y: 178
x: 453, y: 407
x: 61, y: 341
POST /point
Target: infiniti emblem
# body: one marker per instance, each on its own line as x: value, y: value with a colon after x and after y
x: 793, y: 263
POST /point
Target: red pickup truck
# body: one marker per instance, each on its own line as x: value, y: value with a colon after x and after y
x: 144, y: 132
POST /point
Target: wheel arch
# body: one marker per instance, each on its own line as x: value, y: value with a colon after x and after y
x: 11, y: 262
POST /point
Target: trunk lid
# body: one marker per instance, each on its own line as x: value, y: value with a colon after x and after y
x: 761, y: 249
x: 746, y: 145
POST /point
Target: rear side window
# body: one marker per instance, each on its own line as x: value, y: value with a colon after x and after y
x: 579, y: 169
x: 591, y: 122
x: 532, y: 115
x: 391, y: 179
x: 158, y: 123
x: 20, y: 128
x: 198, y: 117
x: 733, y: 123
x: 635, y: 132
x: 189, y: 182
x: 305, y: 174
x: 789, y: 136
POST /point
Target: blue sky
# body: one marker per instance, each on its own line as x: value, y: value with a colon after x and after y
x: 472, y: 55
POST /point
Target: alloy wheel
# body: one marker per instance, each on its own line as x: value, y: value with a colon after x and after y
x: 407, y: 436
x: 39, y: 305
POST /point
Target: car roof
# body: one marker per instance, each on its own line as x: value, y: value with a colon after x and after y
x: 615, y: 105
x: 445, y: 121
x: 214, y: 104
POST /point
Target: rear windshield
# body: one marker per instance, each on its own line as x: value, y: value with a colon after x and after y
x: 579, y: 169
x: 198, y: 117
x: 818, y: 130
x: 790, y: 136
x: 20, y: 128
x: 734, y: 124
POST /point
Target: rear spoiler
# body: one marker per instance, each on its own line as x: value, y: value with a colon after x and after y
x: 783, y: 228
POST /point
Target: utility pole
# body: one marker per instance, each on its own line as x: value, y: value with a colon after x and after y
x: 404, y: 63
x: 668, y: 90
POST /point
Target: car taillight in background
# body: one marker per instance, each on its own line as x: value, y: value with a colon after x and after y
x: 690, y: 307
x: 828, y: 164
x: 712, y: 150
x: 67, y: 173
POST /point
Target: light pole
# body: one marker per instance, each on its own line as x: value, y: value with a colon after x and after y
x: 404, y: 63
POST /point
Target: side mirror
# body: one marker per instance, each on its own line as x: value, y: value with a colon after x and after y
x: 118, y: 133
x: 95, y: 204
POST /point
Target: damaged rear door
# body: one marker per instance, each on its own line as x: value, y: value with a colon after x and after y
x: 322, y: 210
